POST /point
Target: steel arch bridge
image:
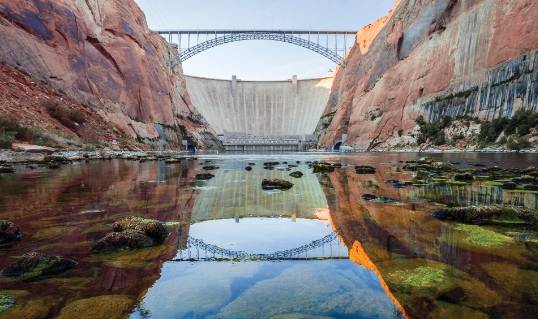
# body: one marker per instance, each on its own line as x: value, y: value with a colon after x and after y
x: 333, y: 45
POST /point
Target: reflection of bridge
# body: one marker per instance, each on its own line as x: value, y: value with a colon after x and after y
x: 328, y: 247
x: 331, y: 44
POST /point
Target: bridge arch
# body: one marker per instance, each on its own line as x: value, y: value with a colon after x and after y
x: 229, y: 38
x: 298, y: 38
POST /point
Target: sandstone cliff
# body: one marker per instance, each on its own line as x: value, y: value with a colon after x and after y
x: 434, y: 58
x: 102, y: 54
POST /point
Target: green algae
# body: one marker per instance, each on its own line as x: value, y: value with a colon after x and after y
x: 481, y: 236
x: 6, y: 302
x: 412, y: 279
x: 423, y: 276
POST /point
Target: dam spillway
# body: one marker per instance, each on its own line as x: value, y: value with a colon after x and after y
x: 261, y: 108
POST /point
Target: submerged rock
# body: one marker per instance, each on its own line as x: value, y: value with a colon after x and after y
x: 9, y: 232
x: 487, y: 214
x: 369, y: 197
x: 296, y: 174
x: 270, y: 184
x: 128, y: 239
x: 271, y: 163
x: 248, y: 168
x: 365, y: 169
x: 210, y: 167
x: 4, y: 169
x: 35, y: 265
x: 204, y: 176
x: 322, y: 167
x: 509, y: 185
x: 151, y: 227
x: 172, y: 160
x: 464, y: 177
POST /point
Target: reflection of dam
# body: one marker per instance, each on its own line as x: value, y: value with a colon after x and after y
x: 268, y: 108
x: 237, y: 193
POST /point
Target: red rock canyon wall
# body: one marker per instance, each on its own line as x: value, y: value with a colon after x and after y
x: 435, y: 58
x: 102, y: 54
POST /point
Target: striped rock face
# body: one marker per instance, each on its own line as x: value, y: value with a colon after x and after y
x: 434, y: 58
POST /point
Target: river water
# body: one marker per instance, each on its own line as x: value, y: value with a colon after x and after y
x: 317, y: 250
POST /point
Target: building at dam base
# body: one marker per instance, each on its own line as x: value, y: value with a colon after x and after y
x: 250, y: 114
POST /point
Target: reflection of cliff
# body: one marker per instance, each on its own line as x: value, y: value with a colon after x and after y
x: 237, y: 193
x: 69, y: 220
x: 406, y: 248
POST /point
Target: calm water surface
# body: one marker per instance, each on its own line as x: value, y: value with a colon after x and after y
x: 317, y: 250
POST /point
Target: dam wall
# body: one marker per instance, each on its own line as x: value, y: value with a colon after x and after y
x: 260, y: 108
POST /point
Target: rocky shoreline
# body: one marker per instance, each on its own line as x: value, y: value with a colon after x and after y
x: 31, y: 157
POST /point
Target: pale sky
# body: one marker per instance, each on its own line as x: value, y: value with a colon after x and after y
x: 261, y: 60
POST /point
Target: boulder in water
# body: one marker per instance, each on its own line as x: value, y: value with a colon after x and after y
x: 270, y: 184
x: 365, y: 169
x: 128, y: 239
x: 204, y: 176
x: 150, y: 227
x: 296, y: 174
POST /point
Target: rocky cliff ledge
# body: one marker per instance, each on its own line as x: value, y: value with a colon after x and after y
x: 101, y: 54
x: 434, y: 58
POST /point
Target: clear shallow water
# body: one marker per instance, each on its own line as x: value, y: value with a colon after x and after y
x: 382, y: 261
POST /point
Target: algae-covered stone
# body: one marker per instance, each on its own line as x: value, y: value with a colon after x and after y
x: 151, y: 227
x: 296, y: 174
x: 101, y: 307
x: 35, y: 265
x: 128, y: 239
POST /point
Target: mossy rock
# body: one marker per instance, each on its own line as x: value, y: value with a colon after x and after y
x: 152, y: 228
x: 101, y: 307
x: 35, y: 265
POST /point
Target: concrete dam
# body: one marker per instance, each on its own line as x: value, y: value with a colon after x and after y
x: 252, y: 115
